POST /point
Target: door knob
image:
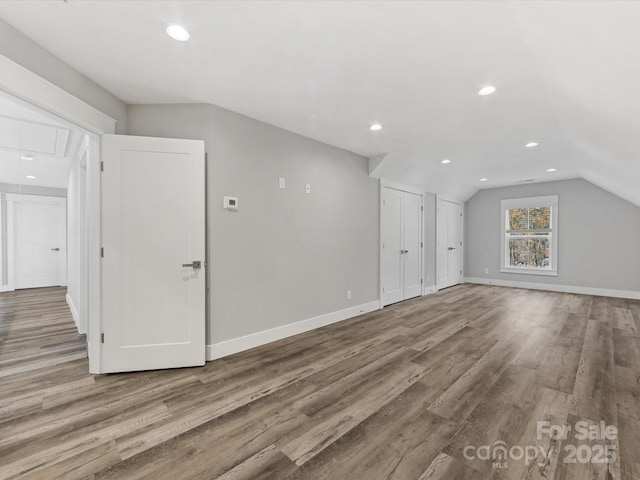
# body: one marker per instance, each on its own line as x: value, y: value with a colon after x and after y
x: 452, y: 248
x: 55, y: 249
x: 403, y: 252
x: 195, y: 264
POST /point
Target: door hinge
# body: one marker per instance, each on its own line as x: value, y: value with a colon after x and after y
x: 102, y: 338
x: 383, y: 245
x: 421, y: 282
x: 384, y: 202
x: 421, y: 245
x: 102, y: 252
x: 382, y: 289
x: 460, y: 272
x: 422, y: 209
x: 102, y: 166
x: 206, y: 156
x: 460, y: 214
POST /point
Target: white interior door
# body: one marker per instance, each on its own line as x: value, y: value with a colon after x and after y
x: 412, y: 240
x: 449, y: 243
x: 39, y: 248
x: 153, y: 233
x: 391, y: 220
x: 401, y: 248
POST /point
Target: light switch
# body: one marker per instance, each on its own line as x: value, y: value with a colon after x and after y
x: 230, y: 203
x: 308, y: 188
x: 281, y: 182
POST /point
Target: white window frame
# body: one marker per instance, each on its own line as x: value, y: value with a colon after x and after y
x: 530, y: 202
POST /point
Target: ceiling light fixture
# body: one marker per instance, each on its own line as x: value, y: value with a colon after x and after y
x: 26, y: 157
x: 31, y: 177
x: 532, y: 144
x: 488, y: 90
x: 178, y: 32
x: 445, y: 161
x: 551, y: 170
x: 484, y: 179
x: 375, y: 127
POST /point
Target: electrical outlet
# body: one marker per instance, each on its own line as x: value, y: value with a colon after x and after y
x: 308, y: 188
x: 348, y: 294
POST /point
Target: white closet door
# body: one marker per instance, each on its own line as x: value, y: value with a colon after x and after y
x: 391, y: 236
x: 412, y: 240
x: 401, y: 237
x: 449, y: 243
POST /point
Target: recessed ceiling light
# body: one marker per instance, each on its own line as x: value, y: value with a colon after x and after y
x: 178, y: 32
x: 551, y: 169
x: 375, y: 127
x: 31, y: 177
x: 484, y: 179
x: 532, y: 144
x: 445, y: 161
x: 26, y: 157
x: 488, y: 90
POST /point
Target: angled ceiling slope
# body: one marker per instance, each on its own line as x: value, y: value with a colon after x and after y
x: 566, y: 73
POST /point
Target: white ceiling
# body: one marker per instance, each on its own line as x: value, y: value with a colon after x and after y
x: 27, y: 132
x: 567, y: 73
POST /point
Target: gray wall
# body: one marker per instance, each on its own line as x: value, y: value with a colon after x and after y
x: 284, y: 256
x: 598, y: 236
x: 24, y: 51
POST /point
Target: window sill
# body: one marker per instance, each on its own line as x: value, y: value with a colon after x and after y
x: 530, y: 271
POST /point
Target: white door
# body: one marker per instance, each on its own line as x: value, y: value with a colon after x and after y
x: 40, y: 241
x: 449, y: 243
x: 401, y: 245
x: 153, y: 236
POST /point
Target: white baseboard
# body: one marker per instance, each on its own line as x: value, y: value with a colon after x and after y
x: 601, y: 292
x: 74, y: 314
x: 235, y: 345
x: 430, y: 289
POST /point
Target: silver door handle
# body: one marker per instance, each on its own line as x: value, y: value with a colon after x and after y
x: 195, y: 264
x: 452, y: 248
x: 404, y: 251
x: 55, y: 249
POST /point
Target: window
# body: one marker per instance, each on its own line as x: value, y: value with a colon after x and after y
x: 530, y: 235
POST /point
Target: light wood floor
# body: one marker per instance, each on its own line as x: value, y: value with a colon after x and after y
x: 398, y: 393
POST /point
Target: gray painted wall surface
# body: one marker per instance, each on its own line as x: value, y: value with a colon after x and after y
x: 24, y: 51
x: 598, y: 235
x: 284, y: 256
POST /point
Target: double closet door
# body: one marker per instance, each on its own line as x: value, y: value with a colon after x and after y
x: 401, y: 245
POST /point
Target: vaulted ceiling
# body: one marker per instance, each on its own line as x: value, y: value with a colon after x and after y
x: 567, y: 76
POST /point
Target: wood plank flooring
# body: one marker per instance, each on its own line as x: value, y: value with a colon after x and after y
x: 400, y: 393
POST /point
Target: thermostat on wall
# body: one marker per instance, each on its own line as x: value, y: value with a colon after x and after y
x: 231, y: 203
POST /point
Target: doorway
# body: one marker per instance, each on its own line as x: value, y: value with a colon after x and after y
x: 449, y: 256
x: 401, y: 244
x: 40, y: 241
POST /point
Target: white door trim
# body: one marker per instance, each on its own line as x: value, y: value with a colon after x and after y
x: 31, y: 88
x: 10, y: 286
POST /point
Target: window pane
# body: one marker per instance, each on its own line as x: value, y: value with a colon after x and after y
x: 529, y: 218
x: 529, y: 252
x: 540, y: 218
x: 518, y: 219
